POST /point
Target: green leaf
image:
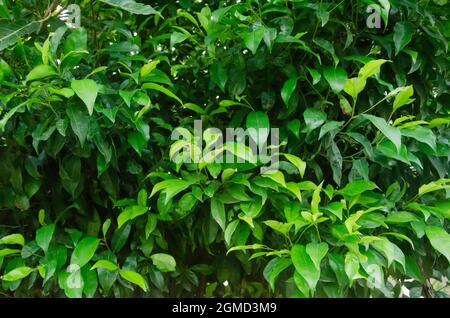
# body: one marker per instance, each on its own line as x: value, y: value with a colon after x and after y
x: 400, y: 236
x: 74, y: 46
x: 45, y: 51
x: 79, y: 122
x: 352, y: 267
x: 357, y: 187
x: 438, y: 121
x: 324, y: 16
x: 258, y: 126
x: 10, y: 33
x: 287, y: 90
x: 41, y: 71
x: 413, y: 270
x: 307, y: 260
x: 422, y: 134
x: 335, y: 208
x: 146, y: 70
x: 231, y: 228
x: 164, y: 262
x: 401, y: 217
x: 161, y: 89
x: 13, y: 239
x: 297, y: 162
x: 120, y: 237
x: 439, y: 239
x: 317, y: 252
x: 218, y: 212
x: 84, y: 251
x: 65, y: 92
x: 385, y: 8
x: 17, y: 273
x: 195, y: 108
x: 228, y: 103
x: 274, y: 268
x: 142, y: 197
x: 314, y: 118
x: 130, y: 213
x: 345, y: 106
x: 127, y: 96
x: 294, y: 127
x: 315, y: 75
x: 328, y: 47
x: 371, y: 68
x: 354, y: 86
x: 390, y: 250
x: 387, y: 148
x: 132, y: 6
x: 9, y: 114
x: 246, y: 247
x: 105, y: 227
x: 4, y: 12
x: 87, y: 91
x: 336, y: 77
x: 270, y: 34
x: 282, y: 228
x: 152, y: 220
x: 440, y: 184
x: 276, y: 176
x: 403, y: 33
x: 105, y: 264
x: 253, y: 38
x: 90, y: 282
x: 44, y: 236
x: 219, y: 74
x: 177, y: 37
x: 329, y: 126
x: 171, y: 187
x: 8, y: 251
x: 137, y: 141
x: 335, y: 159
x: 403, y: 97
x: 316, y: 199
x: 392, y: 133
x: 134, y: 278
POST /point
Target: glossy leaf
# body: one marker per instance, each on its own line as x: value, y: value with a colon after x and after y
x: 44, y: 236
x: 17, y: 239
x: 132, y: 6
x: 17, y: 273
x: 336, y: 77
x: 105, y: 264
x: 403, y: 34
x: 84, y: 251
x: 287, y: 90
x: 371, y: 68
x: 439, y: 239
x: 392, y: 133
x: 134, y: 278
x: 164, y: 262
x: 258, y: 125
x: 218, y: 212
x: 253, y: 38
x: 130, y: 213
x: 40, y: 72
x: 87, y: 91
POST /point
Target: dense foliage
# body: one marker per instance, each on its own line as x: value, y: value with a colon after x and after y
x: 92, y: 204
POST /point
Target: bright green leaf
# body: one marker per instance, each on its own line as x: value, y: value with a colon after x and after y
x: 87, y: 91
